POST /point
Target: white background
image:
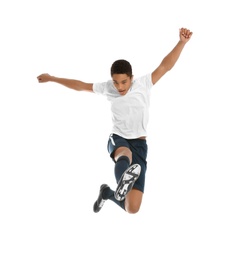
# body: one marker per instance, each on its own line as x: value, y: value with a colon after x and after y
x: 53, y: 155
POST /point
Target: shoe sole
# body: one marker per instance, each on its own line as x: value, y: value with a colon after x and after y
x: 127, y: 181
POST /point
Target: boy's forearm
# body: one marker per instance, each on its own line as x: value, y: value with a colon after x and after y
x: 69, y: 83
x: 169, y: 61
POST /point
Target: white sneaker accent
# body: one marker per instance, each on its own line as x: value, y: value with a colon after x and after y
x: 101, y: 203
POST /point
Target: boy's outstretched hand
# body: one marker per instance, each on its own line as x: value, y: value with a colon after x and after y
x: 44, y: 78
x: 185, y: 35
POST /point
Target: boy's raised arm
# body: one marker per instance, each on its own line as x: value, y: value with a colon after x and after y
x: 169, y: 61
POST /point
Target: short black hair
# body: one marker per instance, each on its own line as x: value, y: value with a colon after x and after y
x: 121, y: 67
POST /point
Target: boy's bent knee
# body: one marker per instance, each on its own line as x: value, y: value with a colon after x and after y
x: 133, y: 201
x: 132, y: 209
x: 123, y: 151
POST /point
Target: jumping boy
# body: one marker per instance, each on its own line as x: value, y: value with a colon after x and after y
x: 127, y: 144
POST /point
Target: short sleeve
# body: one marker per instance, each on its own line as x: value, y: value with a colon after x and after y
x: 99, y: 88
x: 146, y: 80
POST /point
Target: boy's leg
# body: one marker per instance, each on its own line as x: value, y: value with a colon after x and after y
x: 122, y: 156
x: 134, y: 197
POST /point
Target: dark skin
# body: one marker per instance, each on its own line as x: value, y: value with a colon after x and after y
x: 122, y: 83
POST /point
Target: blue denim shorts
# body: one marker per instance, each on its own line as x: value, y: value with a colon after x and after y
x: 139, y: 149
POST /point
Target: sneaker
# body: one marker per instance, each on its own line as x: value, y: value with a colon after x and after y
x: 127, y: 181
x: 100, y: 201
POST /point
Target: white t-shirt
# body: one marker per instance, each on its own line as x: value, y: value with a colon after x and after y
x: 130, y: 113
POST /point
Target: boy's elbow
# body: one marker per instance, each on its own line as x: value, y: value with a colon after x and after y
x: 167, y: 67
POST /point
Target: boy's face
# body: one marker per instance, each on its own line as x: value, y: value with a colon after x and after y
x: 122, y: 83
